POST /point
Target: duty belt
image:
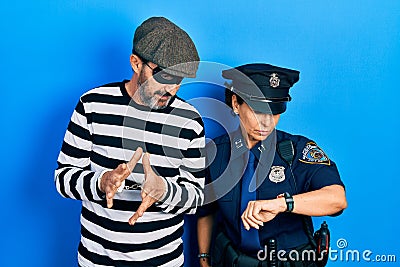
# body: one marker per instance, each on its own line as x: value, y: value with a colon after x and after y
x: 225, y: 255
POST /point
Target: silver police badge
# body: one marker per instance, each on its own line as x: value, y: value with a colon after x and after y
x: 277, y: 174
x: 274, y: 80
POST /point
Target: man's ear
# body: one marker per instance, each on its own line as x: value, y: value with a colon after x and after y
x: 136, y: 63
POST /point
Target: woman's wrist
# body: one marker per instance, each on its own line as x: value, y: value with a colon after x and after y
x: 203, y: 255
x: 281, y: 202
x: 204, y: 259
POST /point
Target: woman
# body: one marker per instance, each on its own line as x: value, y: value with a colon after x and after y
x: 266, y: 183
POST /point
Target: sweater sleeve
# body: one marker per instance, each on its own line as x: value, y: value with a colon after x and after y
x: 185, y: 193
x: 73, y: 176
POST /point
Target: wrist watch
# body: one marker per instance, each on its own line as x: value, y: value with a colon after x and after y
x: 289, y: 202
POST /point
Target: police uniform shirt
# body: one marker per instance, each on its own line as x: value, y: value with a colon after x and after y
x: 311, y: 168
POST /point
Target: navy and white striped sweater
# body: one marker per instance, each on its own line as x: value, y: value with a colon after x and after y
x: 105, y: 129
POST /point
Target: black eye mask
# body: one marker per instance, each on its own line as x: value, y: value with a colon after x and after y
x: 163, y: 77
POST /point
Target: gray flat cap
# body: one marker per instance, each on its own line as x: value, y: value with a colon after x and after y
x: 162, y: 42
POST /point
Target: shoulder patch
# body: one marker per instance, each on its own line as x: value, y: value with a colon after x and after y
x: 313, y: 154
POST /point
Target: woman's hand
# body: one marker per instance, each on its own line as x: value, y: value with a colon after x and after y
x: 260, y: 211
x: 322, y: 202
x: 205, y: 262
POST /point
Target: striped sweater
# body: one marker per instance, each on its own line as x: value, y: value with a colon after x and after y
x: 105, y: 129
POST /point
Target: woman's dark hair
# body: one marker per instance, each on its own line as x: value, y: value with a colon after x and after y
x: 229, y: 94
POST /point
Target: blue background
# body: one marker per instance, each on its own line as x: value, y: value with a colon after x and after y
x: 348, y: 53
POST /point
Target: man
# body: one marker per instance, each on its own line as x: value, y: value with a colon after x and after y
x: 101, y: 161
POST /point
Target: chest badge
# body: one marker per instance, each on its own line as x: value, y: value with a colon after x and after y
x: 277, y: 174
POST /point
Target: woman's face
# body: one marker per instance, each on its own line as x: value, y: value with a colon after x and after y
x: 255, y: 126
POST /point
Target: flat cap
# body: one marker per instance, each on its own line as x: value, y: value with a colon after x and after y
x: 264, y: 87
x: 162, y: 42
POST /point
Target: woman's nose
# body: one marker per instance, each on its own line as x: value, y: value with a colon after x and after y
x: 265, y: 120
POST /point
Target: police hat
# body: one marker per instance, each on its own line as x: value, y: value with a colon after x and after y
x: 265, y: 88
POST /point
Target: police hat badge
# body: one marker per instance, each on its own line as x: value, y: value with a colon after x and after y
x: 274, y: 80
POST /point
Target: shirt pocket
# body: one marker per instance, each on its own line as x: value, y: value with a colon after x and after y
x: 270, y: 190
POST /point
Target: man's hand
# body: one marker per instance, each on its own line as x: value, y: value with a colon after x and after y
x: 260, y: 211
x: 111, y: 180
x: 153, y: 189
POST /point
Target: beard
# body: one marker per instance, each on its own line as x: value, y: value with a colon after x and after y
x: 152, y: 100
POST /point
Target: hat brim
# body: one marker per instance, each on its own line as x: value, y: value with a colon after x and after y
x: 267, y: 107
x: 262, y: 106
x: 186, y: 69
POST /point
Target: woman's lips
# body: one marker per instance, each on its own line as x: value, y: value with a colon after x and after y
x: 263, y: 133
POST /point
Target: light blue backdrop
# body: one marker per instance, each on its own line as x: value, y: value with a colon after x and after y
x: 348, y: 53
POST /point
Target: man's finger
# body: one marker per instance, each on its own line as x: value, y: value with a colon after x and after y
x: 109, y: 196
x: 109, y: 203
x: 135, y: 158
x: 146, y: 165
x: 134, y: 218
x: 146, y: 203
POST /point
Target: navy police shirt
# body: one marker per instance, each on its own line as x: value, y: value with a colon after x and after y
x: 227, y: 155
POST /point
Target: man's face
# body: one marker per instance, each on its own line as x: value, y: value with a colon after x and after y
x: 152, y: 93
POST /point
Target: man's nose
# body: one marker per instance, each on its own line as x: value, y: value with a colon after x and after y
x: 171, y: 89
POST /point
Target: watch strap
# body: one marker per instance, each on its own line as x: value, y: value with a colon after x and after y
x: 289, y: 201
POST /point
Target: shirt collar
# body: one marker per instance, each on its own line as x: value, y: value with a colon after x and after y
x: 260, y: 150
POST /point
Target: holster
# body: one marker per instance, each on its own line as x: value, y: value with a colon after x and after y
x: 225, y: 255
